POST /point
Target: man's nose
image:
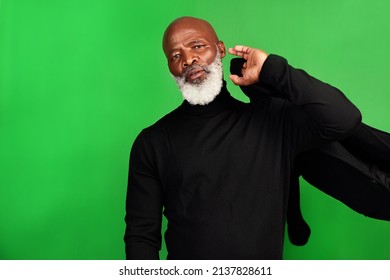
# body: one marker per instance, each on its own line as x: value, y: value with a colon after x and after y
x: 189, y: 58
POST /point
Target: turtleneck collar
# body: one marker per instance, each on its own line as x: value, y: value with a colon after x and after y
x: 221, y: 101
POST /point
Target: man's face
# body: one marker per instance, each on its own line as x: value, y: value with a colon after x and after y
x: 188, y: 45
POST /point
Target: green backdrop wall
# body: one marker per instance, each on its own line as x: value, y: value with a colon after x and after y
x: 80, y: 79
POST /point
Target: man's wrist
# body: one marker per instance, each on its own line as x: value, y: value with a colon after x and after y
x: 272, y: 71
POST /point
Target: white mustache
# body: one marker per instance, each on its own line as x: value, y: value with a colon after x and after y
x: 206, y: 90
x: 193, y: 67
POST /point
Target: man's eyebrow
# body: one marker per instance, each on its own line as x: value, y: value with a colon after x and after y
x: 173, y: 50
x: 196, y: 41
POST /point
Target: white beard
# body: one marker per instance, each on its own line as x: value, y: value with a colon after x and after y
x: 205, y: 91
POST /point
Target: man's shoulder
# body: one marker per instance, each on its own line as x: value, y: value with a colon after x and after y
x: 162, y: 125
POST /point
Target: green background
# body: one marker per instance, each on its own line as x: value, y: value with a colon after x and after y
x: 80, y: 79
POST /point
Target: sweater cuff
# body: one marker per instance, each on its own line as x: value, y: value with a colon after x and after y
x: 273, y: 70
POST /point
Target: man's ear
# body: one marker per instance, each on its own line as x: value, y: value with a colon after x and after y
x: 222, y: 49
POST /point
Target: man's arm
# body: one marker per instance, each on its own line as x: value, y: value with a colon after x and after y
x: 320, y: 112
x: 143, y: 204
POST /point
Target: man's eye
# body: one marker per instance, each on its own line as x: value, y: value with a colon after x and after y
x: 198, y: 46
x: 176, y: 56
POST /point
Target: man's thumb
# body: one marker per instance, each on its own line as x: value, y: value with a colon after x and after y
x: 238, y: 81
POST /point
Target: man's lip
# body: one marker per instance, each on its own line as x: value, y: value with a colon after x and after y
x: 194, y: 74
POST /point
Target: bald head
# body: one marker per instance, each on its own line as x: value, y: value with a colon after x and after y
x: 184, y: 24
x: 194, y: 55
x: 188, y: 41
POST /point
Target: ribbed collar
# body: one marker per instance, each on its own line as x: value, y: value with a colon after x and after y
x: 222, y: 100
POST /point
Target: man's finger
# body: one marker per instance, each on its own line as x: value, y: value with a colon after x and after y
x: 238, y: 81
x: 233, y: 51
x: 241, y: 51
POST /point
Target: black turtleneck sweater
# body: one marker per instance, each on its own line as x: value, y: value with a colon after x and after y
x: 221, y: 171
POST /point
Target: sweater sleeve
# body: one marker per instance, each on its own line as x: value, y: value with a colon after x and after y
x: 319, y: 111
x: 143, y: 204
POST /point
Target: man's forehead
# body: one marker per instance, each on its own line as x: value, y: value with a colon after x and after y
x: 185, y: 29
x: 186, y: 36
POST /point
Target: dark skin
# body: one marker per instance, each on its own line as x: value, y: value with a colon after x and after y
x: 191, y: 41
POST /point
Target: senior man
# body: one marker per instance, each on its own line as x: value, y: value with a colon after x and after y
x: 218, y: 168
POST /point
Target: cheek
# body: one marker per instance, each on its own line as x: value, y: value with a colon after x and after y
x: 174, y: 69
x: 209, y: 57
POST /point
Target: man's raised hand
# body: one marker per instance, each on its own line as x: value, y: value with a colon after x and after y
x: 251, y: 68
